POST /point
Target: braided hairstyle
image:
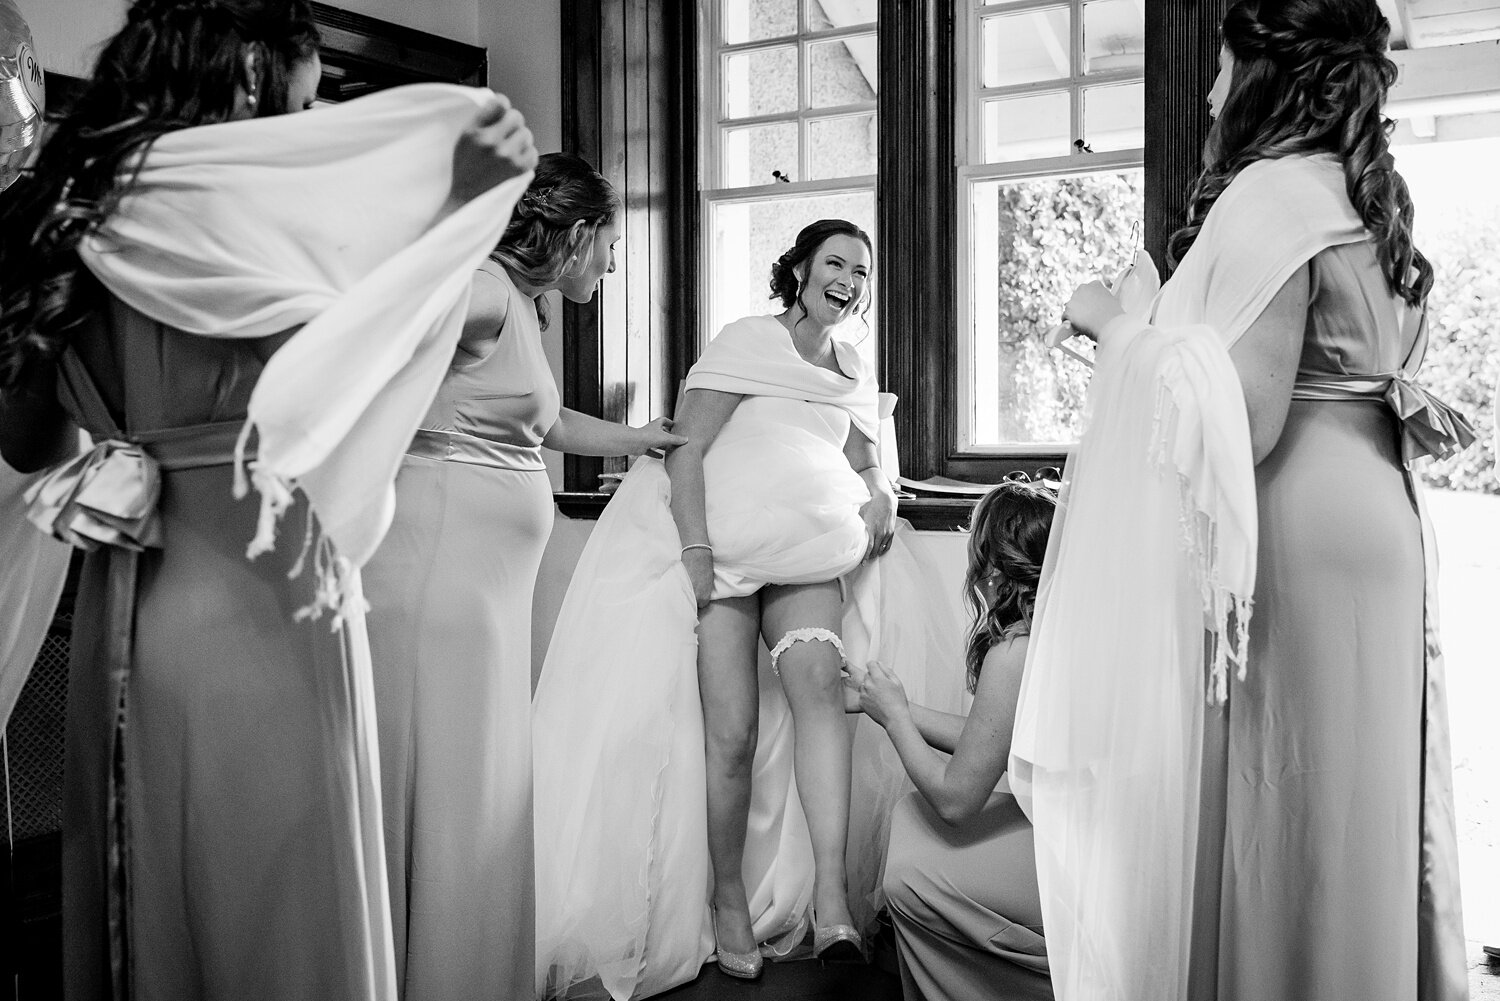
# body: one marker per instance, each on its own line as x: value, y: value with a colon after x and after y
x: 175, y: 64
x: 1310, y: 76
x: 551, y: 232
x: 786, y: 286
x: 1007, y: 544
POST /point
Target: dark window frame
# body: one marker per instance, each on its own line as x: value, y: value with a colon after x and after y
x: 916, y: 209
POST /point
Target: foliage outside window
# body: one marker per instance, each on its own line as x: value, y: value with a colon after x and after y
x: 1051, y: 105
x: 788, y: 99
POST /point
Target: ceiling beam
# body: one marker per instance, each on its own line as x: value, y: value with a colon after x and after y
x: 1448, y: 80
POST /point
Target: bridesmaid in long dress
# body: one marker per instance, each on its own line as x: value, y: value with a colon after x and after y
x: 451, y: 589
x: 1326, y: 864
x: 215, y: 838
x: 960, y: 876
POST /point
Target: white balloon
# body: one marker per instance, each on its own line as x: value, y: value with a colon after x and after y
x: 23, y: 94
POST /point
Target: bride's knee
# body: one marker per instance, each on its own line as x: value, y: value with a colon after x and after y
x: 731, y: 745
x: 810, y: 658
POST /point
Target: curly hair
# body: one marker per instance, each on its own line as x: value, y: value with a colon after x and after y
x: 175, y: 64
x: 1007, y: 543
x: 1310, y: 76
x: 786, y: 286
x: 556, y: 220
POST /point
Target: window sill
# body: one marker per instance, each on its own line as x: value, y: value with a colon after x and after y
x: 926, y: 514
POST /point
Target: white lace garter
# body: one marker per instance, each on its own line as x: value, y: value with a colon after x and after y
x: 807, y: 634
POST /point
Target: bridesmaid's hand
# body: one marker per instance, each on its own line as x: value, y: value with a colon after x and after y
x: 881, y: 695
x: 656, y: 439
x: 495, y: 147
x: 851, y: 690
x: 700, y: 568
x: 1091, y: 307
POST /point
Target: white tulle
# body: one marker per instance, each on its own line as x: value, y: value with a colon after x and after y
x: 623, y: 872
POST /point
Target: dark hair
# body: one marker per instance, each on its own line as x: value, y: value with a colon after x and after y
x: 538, y: 246
x: 175, y: 64
x: 1310, y: 76
x: 786, y: 286
x: 1007, y: 539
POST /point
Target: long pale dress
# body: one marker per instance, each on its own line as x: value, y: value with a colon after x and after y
x: 965, y: 903
x: 212, y: 810
x: 621, y: 816
x: 1330, y: 868
x: 450, y: 636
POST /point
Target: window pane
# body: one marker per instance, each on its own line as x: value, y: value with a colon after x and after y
x: 1025, y: 128
x: 842, y: 71
x: 763, y: 82
x: 841, y: 147
x: 1033, y: 243
x: 1114, y: 36
x: 745, y: 237
x: 1026, y: 48
x: 1114, y: 117
x: 751, y: 154
x: 840, y: 13
x: 752, y: 20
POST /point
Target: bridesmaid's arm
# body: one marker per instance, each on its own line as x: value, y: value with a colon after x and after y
x: 35, y: 430
x: 957, y: 787
x: 489, y: 305
x: 581, y: 434
x: 704, y: 412
x: 1266, y: 357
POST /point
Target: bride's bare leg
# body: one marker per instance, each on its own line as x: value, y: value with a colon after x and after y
x: 731, y: 714
x: 810, y: 677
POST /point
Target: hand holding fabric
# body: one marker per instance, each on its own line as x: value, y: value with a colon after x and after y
x: 657, y: 438
x: 700, y: 567
x: 879, y: 515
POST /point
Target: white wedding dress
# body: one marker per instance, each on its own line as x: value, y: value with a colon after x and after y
x: 622, y: 853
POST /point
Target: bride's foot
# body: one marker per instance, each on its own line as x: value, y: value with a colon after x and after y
x: 734, y: 941
x: 835, y: 938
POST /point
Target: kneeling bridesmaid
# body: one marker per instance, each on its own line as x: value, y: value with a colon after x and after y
x: 960, y: 874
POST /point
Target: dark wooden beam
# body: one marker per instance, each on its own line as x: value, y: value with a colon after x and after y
x: 1182, y: 58
x: 915, y: 215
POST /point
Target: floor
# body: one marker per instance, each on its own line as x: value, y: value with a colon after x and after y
x: 805, y: 980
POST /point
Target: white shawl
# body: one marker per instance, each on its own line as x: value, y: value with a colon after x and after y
x: 321, y: 220
x: 1155, y: 540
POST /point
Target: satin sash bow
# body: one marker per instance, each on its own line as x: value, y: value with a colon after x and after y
x: 1429, y: 427
x: 106, y: 496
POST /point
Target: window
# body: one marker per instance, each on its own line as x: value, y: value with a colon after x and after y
x: 789, y: 135
x: 1049, y: 130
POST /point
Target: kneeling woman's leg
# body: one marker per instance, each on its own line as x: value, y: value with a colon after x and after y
x: 731, y: 714
x: 800, y: 624
x: 965, y: 903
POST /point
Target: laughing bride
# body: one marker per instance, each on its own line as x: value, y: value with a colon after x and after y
x: 676, y: 813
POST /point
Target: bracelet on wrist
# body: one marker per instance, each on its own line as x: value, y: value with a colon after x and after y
x: 698, y: 545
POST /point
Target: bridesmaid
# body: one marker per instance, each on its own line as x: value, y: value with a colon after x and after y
x: 219, y: 840
x: 1326, y: 835
x: 960, y: 874
x: 452, y: 588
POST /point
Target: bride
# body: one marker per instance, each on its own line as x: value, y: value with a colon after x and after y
x: 674, y: 806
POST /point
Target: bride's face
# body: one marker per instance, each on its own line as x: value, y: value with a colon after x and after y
x: 1220, y: 92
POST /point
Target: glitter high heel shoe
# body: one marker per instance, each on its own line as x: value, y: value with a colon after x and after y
x: 837, y: 943
x: 744, y: 965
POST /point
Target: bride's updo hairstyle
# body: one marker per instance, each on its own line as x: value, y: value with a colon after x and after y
x: 174, y: 64
x: 551, y: 232
x: 1310, y: 76
x: 786, y: 286
x: 1007, y: 544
